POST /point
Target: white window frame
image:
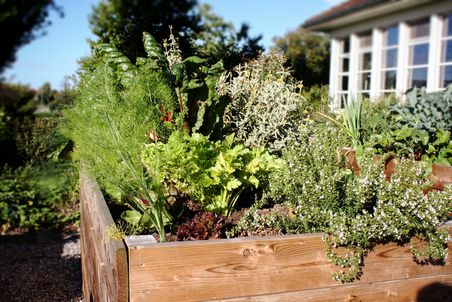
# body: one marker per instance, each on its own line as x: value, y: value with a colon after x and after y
x: 360, y: 69
x: 383, y: 69
x: 340, y: 93
x: 443, y: 39
x: 434, y: 65
x: 413, y: 42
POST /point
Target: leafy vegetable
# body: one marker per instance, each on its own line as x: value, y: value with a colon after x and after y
x: 213, y: 173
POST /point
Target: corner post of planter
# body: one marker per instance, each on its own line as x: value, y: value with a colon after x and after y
x: 104, y: 260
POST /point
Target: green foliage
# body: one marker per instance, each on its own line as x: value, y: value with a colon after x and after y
x: 351, y: 122
x: 213, y: 173
x: 17, y: 99
x: 218, y: 40
x: 308, y: 55
x: 196, y: 84
x: 265, y: 103
x: 21, y: 22
x: 426, y: 111
x: 376, y: 117
x: 118, y: 109
x: 32, y: 198
x: 317, y: 99
x: 355, y: 212
x: 122, y: 23
x: 417, y: 143
x: 35, y: 192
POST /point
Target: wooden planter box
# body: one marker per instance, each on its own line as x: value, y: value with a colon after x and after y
x: 285, y: 268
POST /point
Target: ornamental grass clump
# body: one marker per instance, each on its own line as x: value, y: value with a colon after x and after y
x: 356, y: 212
x: 265, y: 103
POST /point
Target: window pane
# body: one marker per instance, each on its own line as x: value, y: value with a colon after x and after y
x: 390, y: 58
x: 447, y: 51
x: 446, y: 75
x: 448, y: 26
x: 420, y: 29
x: 364, y: 81
x: 389, y: 80
x: 392, y: 36
x: 365, y: 40
x: 366, y: 61
x: 345, y: 64
x: 346, y: 45
x: 418, y: 77
x: 344, y: 83
x: 419, y: 54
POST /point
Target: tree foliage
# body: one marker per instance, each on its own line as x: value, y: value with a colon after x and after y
x: 198, y: 30
x: 21, y: 21
x: 308, y: 54
x: 122, y: 23
x: 219, y: 40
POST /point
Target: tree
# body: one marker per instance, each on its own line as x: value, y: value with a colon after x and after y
x: 308, y: 54
x: 198, y: 30
x: 218, y: 39
x: 17, y: 99
x: 21, y: 21
x: 122, y: 23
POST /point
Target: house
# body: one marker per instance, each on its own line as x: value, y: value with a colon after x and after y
x: 381, y: 47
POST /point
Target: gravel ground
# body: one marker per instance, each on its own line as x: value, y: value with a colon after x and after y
x: 42, y: 266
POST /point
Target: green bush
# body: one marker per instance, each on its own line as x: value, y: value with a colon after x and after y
x: 31, y: 200
x: 426, y: 111
x: 265, y: 105
x: 415, y: 143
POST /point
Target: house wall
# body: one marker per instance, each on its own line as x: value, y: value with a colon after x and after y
x: 377, y: 27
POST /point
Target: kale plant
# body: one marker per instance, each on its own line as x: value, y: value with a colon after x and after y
x: 426, y: 111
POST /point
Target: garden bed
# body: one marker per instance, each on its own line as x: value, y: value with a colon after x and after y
x: 289, y: 268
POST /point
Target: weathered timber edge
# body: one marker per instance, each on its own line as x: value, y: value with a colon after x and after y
x: 284, y: 268
x: 104, y: 261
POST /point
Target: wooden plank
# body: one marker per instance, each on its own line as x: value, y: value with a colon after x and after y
x: 426, y: 289
x: 221, y: 269
x: 104, y: 261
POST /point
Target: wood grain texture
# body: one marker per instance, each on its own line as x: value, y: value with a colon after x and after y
x: 104, y: 261
x: 423, y: 289
x: 224, y: 269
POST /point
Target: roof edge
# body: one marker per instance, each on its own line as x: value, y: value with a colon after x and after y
x: 317, y: 20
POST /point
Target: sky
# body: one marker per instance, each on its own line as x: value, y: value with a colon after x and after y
x: 53, y: 57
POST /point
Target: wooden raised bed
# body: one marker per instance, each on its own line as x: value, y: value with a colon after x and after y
x: 285, y: 268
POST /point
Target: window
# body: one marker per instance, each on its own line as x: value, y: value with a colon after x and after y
x: 418, y: 53
x: 364, y: 63
x: 446, y: 52
x: 344, y: 68
x: 390, y: 57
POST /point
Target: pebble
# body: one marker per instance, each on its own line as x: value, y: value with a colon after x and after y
x: 42, y: 266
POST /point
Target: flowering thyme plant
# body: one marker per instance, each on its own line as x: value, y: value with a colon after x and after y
x: 356, y: 212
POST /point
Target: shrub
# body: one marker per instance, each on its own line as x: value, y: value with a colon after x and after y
x: 28, y: 200
x: 426, y: 111
x: 265, y: 103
